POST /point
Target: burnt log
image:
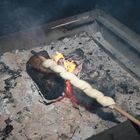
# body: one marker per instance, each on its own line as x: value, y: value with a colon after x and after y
x: 50, y: 84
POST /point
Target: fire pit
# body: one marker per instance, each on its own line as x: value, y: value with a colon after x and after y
x: 98, y: 42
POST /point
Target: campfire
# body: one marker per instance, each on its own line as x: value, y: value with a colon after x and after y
x: 70, y: 66
x: 70, y: 88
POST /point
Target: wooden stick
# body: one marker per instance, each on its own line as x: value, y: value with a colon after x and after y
x: 127, y: 115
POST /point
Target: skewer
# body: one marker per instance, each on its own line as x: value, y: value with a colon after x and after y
x: 113, y: 106
x: 127, y: 115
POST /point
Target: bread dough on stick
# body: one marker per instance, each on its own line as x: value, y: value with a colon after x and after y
x: 81, y: 84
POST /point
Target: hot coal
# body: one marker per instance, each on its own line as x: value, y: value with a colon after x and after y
x: 76, y: 55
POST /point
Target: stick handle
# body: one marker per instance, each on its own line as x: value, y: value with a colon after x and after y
x: 127, y: 115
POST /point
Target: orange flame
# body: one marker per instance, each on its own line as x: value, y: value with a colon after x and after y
x: 69, y: 65
x: 58, y: 56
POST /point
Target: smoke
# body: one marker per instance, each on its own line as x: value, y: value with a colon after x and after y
x: 17, y: 15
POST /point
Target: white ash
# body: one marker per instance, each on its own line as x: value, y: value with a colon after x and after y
x: 33, y: 120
